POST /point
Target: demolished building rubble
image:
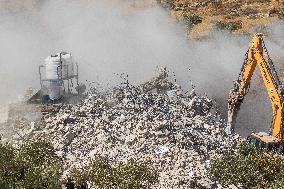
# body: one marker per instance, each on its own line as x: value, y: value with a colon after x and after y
x: 179, y: 133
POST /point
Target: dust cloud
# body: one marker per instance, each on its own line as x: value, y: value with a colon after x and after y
x: 112, y: 36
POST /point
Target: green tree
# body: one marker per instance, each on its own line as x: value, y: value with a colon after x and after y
x: 229, y: 26
x: 131, y: 175
x: 191, y: 20
x: 42, y: 167
x: 278, y: 184
x: 34, y: 165
x: 101, y: 173
x: 249, y: 167
x: 7, y: 167
x: 135, y: 174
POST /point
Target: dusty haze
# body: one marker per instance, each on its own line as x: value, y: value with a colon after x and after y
x: 108, y: 37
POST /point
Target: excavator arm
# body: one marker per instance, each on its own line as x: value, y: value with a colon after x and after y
x: 257, y: 55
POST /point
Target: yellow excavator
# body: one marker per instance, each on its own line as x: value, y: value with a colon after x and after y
x: 257, y: 54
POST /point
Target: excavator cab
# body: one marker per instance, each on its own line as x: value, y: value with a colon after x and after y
x: 264, y: 141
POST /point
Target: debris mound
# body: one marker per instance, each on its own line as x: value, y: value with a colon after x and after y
x: 155, y: 121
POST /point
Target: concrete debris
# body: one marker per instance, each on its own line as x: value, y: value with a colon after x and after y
x: 177, y: 132
x: 21, y: 119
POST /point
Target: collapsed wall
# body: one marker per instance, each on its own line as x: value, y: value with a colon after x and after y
x: 155, y: 121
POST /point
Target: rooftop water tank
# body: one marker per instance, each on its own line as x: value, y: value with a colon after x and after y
x: 59, y: 73
x: 59, y: 66
x: 67, y: 65
x: 53, y: 67
x: 53, y: 74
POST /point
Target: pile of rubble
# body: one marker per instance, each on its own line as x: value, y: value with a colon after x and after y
x: 154, y: 121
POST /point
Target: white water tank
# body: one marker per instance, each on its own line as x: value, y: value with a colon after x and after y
x: 59, y: 67
x: 53, y: 67
x: 67, y: 65
x: 53, y: 73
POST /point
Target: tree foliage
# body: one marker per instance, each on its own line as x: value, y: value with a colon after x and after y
x: 229, y: 26
x: 8, y: 168
x: 32, y: 165
x: 191, y: 20
x: 249, y: 168
x: 131, y: 175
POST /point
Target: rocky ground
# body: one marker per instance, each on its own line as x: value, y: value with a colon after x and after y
x: 248, y: 15
x: 155, y: 121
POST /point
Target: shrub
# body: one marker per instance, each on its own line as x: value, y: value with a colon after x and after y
x: 33, y: 165
x: 249, y: 167
x: 230, y: 26
x: 79, y: 175
x: 191, y: 19
x: 42, y: 167
x: 135, y: 175
x: 101, y: 173
x: 7, y: 166
x: 278, y: 184
x: 131, y: 175
x: 281, y: 14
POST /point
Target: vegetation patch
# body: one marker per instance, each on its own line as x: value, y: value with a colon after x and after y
x: 133, y: 174
x: 281, y: 14
x: 33, y: 165
x: 229, y: 26
x: 191, y: 20
x: 249, y: 168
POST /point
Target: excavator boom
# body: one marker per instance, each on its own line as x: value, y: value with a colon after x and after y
x: 257, y: 55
